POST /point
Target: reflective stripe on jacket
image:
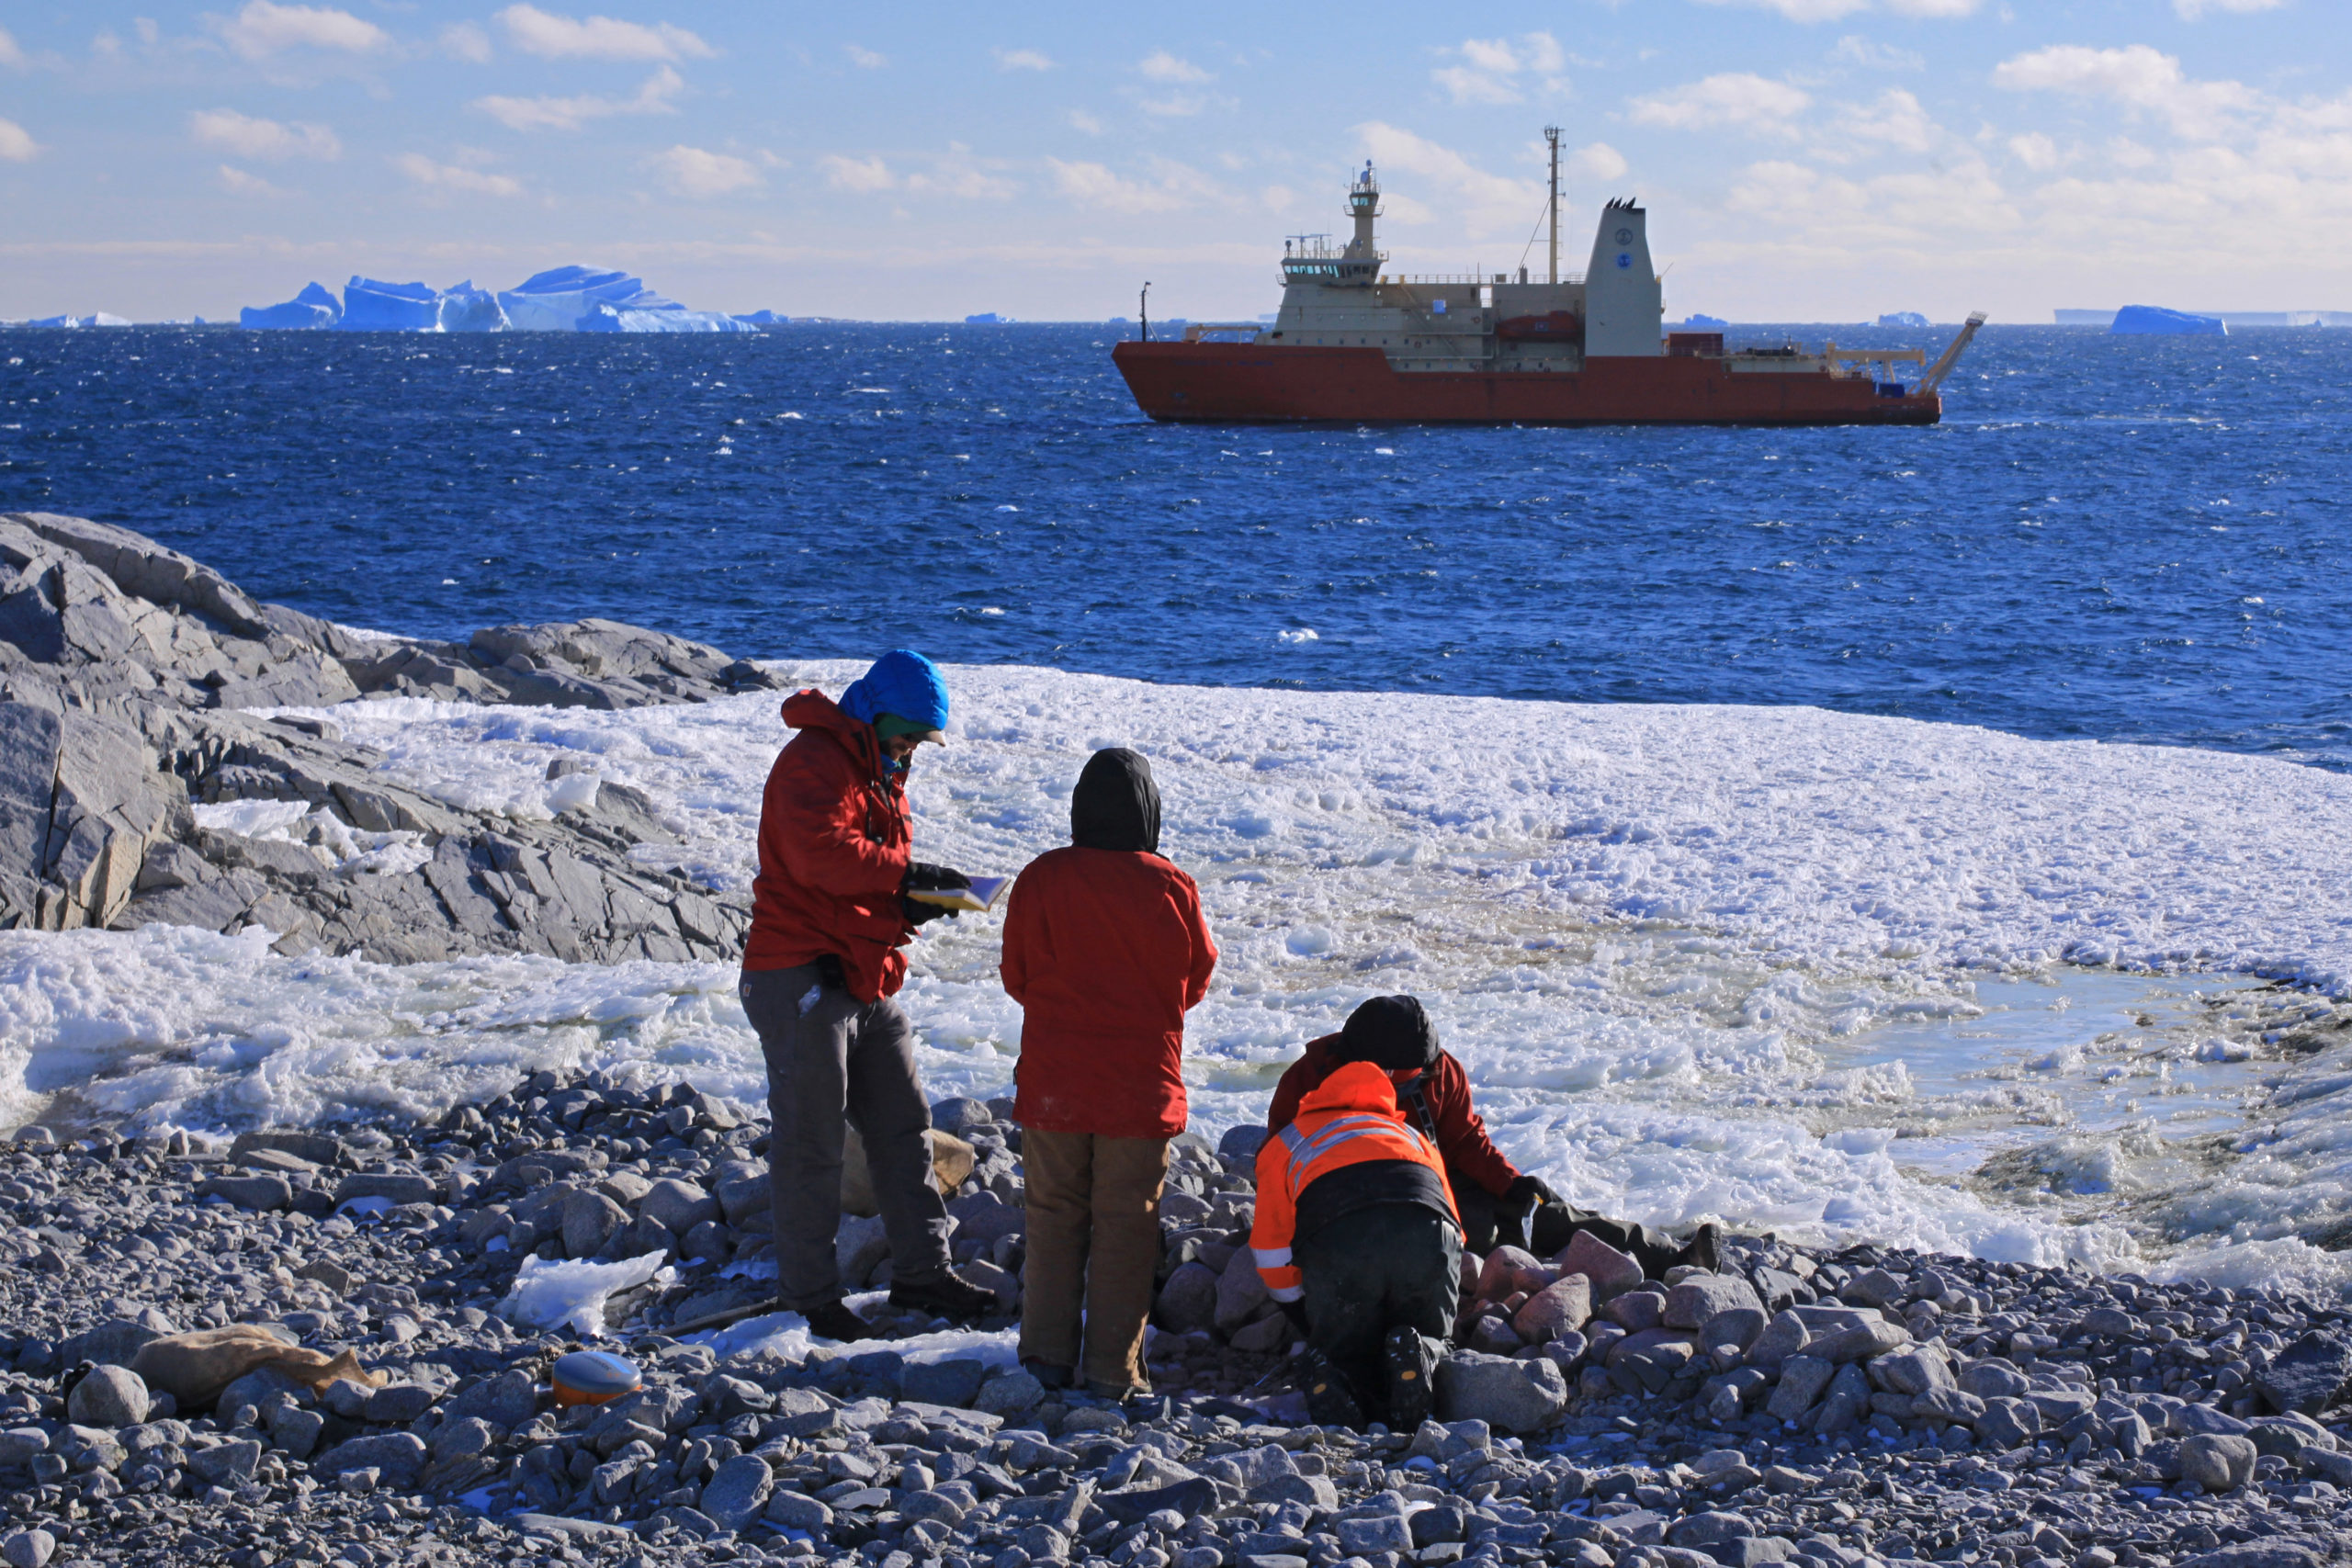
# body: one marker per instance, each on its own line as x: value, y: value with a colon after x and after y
x: 1445, y: 1088
x: 1349, y: 1118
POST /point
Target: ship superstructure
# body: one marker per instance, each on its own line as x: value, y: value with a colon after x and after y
x: 1355, y: 342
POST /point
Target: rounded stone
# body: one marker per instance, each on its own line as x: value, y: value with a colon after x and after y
x: 109, y: 1396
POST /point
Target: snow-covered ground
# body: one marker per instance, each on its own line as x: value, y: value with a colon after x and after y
x: 1776, y: 965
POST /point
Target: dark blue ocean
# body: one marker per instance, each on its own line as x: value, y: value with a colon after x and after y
x: 2129, y: 538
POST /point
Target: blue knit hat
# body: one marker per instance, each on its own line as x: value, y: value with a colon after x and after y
x: 902, y: 683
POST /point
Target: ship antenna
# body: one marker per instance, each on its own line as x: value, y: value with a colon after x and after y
x: 1143, y: 309
x: 1552, y: 135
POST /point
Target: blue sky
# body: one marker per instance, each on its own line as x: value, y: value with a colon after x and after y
x: 1802, y: 159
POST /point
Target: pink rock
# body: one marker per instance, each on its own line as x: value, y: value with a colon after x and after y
x: 1561, y: 1307
x: 1610, y: 1271
x: 1498, y: 1276
x: 1493, y: 1337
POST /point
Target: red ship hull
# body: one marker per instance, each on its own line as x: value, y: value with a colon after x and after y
x: 1236, y: 383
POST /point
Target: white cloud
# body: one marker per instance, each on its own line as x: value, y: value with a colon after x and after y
x: 9, y: 53
x: 1161, y: 67
x: 2192, y: 10
x: 1021, y: 59
x: 1489, y: 203
x: 1171, y: 186
x: 236, y: 182
x: 1834, y: 10
x: 250, y: 137
x: 1174, y: 104
x: 16, y: 145
x: 570, y: 114
x: 466, y: 41
x: 2136, y: 76
x: 1487, y: 70
x: 1896, y: 120
x: 1856, y: 49
x: 260, y: 30
x: 1736, y: 98
x: 2035, y: 151
x: 865, y: 59
x: 1081, y: 121
x: 857, y: 174
x: 551, y: 37
x: 450, y: 177
x: 690, y: 171
x: 1599, y: 160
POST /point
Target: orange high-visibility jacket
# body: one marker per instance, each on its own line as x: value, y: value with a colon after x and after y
x: 1351, y: 1118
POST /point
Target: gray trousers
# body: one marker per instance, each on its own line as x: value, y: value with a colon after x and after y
x: 833, y: 1060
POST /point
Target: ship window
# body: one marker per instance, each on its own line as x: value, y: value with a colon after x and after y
x: 1438, y: 308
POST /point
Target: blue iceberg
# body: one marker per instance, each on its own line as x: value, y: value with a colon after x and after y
x: 1904, y: 319
x: 1696, y: 320
x: 95, y: 319
x: 2172, y: 323
x: 466, y: 308
x: 765, y: 319
x: 313, y: 310
x: 593, y: 299
x: 369, y: 306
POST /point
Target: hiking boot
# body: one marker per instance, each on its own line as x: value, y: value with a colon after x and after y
x: 949, y: 1296
x: 1049, y: 1375
x: 1705, y: 1251
x: 1410, y: 1361
x: 1329, y: 1400
x: 834, y: 1320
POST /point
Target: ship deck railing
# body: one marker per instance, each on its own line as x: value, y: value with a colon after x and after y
x: 1204, y: 332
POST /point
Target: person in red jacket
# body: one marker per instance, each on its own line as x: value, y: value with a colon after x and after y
x: 830, y: 918
x: 1106, y: 951
x: 1496, y: 1201
x: 1357, y: 1236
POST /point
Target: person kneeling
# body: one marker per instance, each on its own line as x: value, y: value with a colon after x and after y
x: 1357, y: 1235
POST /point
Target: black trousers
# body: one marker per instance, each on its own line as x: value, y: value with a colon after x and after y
x: 1373, y: 1271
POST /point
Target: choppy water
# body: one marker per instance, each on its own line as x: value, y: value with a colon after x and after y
x: 2116, y: 537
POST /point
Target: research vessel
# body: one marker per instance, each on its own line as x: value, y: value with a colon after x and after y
x: 1356, y: 343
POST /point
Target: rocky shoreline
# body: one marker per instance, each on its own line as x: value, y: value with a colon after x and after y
x: 1869, y: 1407
x: 125, y: 669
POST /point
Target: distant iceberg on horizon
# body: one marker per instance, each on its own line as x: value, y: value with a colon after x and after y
x: 561, y: 300
x: 1904, y: 319
x: 2156, y: 320
x: 95, y: 319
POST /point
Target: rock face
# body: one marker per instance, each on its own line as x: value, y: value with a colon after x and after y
x: 123, y: 666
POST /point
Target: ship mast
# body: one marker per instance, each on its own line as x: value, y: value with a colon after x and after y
x: 1552, y: 135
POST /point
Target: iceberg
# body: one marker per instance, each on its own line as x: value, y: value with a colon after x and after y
x: 2156, y: 318
x: 1904, y: 319
x: 95, y: 319
x: 765, y: 319
x: 595, y: 300
x: 313, y: 310
x: 986, y: 319
x: 1697, y: 320
x: 466, y: 308
x: 369, y: 306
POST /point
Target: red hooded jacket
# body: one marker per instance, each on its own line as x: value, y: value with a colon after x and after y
x: 1106, y: 951
x: 1461, y: 1132
x: 833, y: 847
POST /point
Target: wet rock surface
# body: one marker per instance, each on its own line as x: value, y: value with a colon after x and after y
x: 126, y: 671
x: 1894, y: 1408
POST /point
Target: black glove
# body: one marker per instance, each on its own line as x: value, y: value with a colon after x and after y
x: 1528, y: 1191
x: 924, y: 877
x: 918, y: 913
x: 1296, y: 1312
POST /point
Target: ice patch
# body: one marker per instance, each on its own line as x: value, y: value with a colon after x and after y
x: 251, y: 819
x: 784, y: 1336
x: 571, y: 1294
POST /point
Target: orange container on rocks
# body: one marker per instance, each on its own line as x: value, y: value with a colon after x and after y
x: 593, y: 1377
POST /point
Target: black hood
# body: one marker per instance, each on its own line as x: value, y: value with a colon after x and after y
x: 1116, y: 806
x: 1392, y: 1033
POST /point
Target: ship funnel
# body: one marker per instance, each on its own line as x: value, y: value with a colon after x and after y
x: 1624, y: 304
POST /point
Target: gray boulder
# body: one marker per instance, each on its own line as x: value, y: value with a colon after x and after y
x: 2008, y: 1423
x: 1781, y: 1338
x: 1699, y: 1299
x: 2308, y: 1376
x: 680, y: 1205
x: 1803, y: 1381
x: 2278, y: 1552
x: 399, y: 1455
x: 2218, y: 1462
x: 109, y: 1396
x: 734, y: 1496
x: 1188, y: 1301
x: 230, y: 1463
x: 590, y: 1220
x: 264, y: 1192
x: 1240, y: 1294
x: 1515, y: 1396
x: 1610, y: 1271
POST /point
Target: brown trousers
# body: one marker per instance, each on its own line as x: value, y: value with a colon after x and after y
x: 1093, y: 1244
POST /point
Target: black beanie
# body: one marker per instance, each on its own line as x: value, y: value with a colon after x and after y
x: 1391, y: 1032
